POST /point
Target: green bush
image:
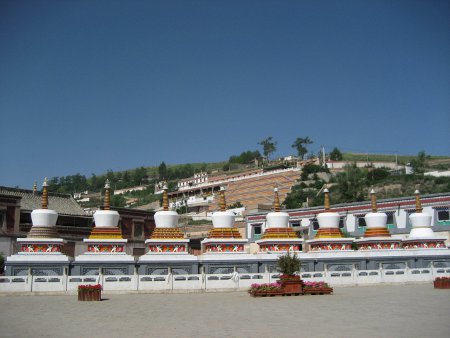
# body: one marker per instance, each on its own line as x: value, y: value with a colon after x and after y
x: 288, y: 264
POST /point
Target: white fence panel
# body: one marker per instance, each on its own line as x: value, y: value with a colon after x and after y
x: 441, y: 272
x: 48, y: 284
x: 335, y: 278
x: 155, y: 283
x: 420, y: 275
x: 394, y: 276
x: 188, y: 282
x: 15, y: 284
x: 247, y: 279
x: 221, y: 281
x: 119, y: 283
x: 74, y: 281
x: 364, y: 277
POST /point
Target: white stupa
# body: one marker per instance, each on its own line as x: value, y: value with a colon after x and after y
x: 42, y: 243
x: 278, y: 235
x: 224, y: 237
x: 167, y: 237
x: 377, y: 236
x: 422, y: 235
x: 105, y: 243
x: 329, y: 237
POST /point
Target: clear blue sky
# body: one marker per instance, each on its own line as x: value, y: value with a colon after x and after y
x: 87, y: 86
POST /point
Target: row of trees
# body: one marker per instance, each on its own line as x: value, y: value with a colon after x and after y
x: 178, y: 172
x: 77, y: 183
x: 300, y: 144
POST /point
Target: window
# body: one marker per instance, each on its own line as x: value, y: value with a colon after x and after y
x: 342, y: 223
x: 443, y: 215
x: 315, y: 224
x: 390, y: 218
x: 361, y: 221
x: 257, y: 229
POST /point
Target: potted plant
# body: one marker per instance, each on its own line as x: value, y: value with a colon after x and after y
x: 288, y: 265
x: 314, y: 288
x: 263, y: 290
x: 442, y: 283
x: 90, y: 292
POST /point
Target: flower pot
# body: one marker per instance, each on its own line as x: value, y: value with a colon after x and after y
x: 291, y: 284
x: 318, y: 291
x: 89, y: 295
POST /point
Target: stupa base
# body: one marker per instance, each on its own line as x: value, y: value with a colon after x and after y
x: 105, y: 246
x: 378, y: 243
x: 106, y: 233
x: 329, y: 233
x: 40, y: 246
x: 223, y: 245
x: 276, y: 233
x: 220, y: 233
x: 377, y: 232
x: 167, y: 246
x: 424, y: 243
x: 279, y: 245
x: 330, y: 244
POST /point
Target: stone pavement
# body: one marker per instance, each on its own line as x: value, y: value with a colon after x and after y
x: 375, y: 311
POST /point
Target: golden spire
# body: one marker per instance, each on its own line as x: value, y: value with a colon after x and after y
x: 107, y: 203
x: 418, y: 203
x: 44, y: 200
x: 222, y: 202
x: 165, y: 202
x: 373, y: 197
x: 327, y: 199
x: 276, y: 202
x: 34, y: 188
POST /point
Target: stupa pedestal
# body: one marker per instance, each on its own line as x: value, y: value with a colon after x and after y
x: 377, y: 236
x: 106, y: 248
x: 167, y: 247
x: 279, y: 237
x: 329, y: 237
x: 40, y: 253
x: 421, y: 235
x: 224, y: 249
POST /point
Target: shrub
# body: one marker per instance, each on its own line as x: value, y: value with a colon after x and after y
x: 288, y: 264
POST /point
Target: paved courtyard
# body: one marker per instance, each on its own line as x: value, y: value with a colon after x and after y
x: 376, y: 311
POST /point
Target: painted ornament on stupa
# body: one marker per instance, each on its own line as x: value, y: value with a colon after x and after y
x: 278, y: 236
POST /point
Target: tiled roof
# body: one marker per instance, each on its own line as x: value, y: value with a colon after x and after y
x: 61, y: 203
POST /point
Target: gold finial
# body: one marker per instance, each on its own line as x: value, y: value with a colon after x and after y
x: 222, y: 202
x: 44, y: 200
x: 107, y: 202
x: 327, y: 199
x: 373, y: 197
x: 418, y: 203
x: 276, y: 203
x: 165, y: 202
x: 34, y: 188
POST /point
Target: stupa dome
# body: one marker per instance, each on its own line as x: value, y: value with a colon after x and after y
x: 44, y: 218
x: 375, y: 220
x: 166, y: 219
x: 328, y: 220
x: 223, y: 219
x: 277, y: 219
x: 106, y: 218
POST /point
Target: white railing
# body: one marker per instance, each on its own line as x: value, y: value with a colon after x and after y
x: 212, y: 282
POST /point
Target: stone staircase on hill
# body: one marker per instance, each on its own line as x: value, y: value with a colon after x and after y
x: 259, y: 190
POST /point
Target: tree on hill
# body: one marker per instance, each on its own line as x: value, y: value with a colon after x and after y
x: 301, y: 145
x: 419, y: 163
x: 269, y: 146
x: 336, y: 154
x: 245, y: 157
x: 162, y: 171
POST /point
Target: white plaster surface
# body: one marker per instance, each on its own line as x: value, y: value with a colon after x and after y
x: 223, y: 219
x: 106, y: 218
x: 328, y: 220
x: 44, y: 217
x: 277, y: 220
x: 166, y: 219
